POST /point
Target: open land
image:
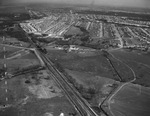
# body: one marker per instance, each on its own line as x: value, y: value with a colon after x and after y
x: 71, y: 61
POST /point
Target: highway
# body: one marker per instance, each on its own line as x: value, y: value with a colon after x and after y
x: 81, y: 106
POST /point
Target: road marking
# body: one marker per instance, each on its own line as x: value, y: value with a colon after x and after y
x: 4, y: 49
x: 4, y: 65
x: 5, y: 73
x: 3, y: 38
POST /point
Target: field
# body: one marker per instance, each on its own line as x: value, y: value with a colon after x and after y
x: 97, y: 64
x: 73, y: 31
x: 91, y: 75
x: 139, y: 62
x: 123, y: 70
x: 14, y: 41
x: 103, y: 86
x: 22, y: 101
x: 9, y: 51
x: 20, y: 63
x: 93, y: 72
x: 10, y: 12
x: 132, y: 100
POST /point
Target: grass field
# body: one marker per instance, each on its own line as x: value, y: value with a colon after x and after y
x: 20, y: 63
x: 24, y: 102
x: 73, y: 31
x: 102, y: 85
x: 91, y: 75
x: 10, y: 50
x: 14, y: 40
x: 123, y: 70
x: 139, y: 62
x: 132, y: 100
x: 96, y: 64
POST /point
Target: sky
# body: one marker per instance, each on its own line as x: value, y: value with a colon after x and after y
x: 126, y: 3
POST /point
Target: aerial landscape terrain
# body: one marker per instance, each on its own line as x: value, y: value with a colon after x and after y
x: 74, y: 60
